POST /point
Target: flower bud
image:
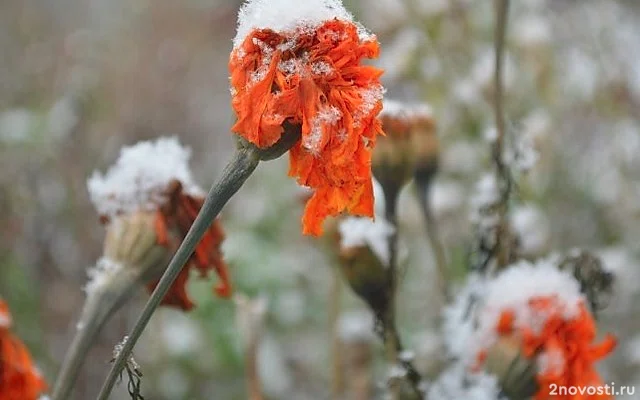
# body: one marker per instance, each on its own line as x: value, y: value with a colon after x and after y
x: 366, y: 275
x: 132, y: 240
x: 410, y: 147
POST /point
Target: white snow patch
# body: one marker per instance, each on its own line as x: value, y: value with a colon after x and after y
x: 328, y: 115
x: 364, y: 231
x: 289, y: 16
x: 458, y: 382
x: 140, y: 176
x: 459, y: 316
x: 483, y: 201
x: 370, y: 96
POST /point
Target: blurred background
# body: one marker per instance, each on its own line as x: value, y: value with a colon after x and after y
x: 80, y: 79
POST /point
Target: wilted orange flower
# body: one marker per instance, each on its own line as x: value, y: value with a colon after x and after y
x: 313, y: 78
x: 153, y: 179
x: 178, y: 214
x: 563, y: 346
x: 19, y: 379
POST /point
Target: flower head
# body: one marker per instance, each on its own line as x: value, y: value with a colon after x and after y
x: 151, y: 185
x: 19, y: 378
x: 410, y: 147
x: 299, y: 62
x: 542, y: 308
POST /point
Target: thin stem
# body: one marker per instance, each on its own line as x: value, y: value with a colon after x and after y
x: 241, y: 166
x: 390, y: 335
x: 254, y: 386
x: 335, y: 299
x: 502, y: 10
x: 101, y: 303
x: 389, y: 331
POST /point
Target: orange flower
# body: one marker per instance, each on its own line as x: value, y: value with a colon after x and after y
x: 313, y: 78
x: 563, y: 346
x: 177, y: 215
x: 151, y: 183
x: 19, y: 379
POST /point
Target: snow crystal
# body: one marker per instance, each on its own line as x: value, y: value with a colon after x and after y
x: 370, y: 97
x: 321, y: 68
x: 516, y: 285
x: 117, y: 349
x: 100, y: 275
x: 459, y: 383
x: 325, y: 116
x: 356, y: 326
x: 286, y: 16
x: 140, y: 176
x: 363, y: 231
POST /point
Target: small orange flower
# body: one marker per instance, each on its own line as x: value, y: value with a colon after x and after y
x: 313, y: 78
x: 177, y: 215
x: 563, y: 346
x: 19, y: 379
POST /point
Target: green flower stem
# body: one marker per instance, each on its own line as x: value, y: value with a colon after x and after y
x: 99, y: 306
x: 241, y: 166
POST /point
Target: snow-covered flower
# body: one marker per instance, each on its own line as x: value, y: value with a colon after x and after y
x: 299, y: 64
x: 150, y: 197
x: 543, y: 310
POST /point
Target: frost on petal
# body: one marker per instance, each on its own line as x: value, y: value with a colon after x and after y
x: 140, y: 177
x: 289, y: 16
x: 361, y: 232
